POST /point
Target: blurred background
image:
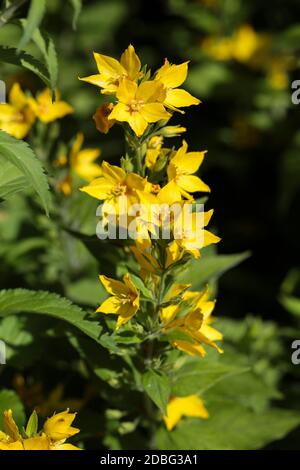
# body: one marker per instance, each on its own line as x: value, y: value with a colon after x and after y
x: 244, y: 55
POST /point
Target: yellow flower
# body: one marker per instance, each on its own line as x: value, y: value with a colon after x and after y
x: 56, y: 430
x: 139, y: 105
x: 148, y: 264
x: 16, y: 118
x: 113, y: 184
x: 48, y: 111
x: 194, y: 236
x: 82, y: 161
x: 124, y: 300
x: 65, y: 186
x: 111, y: 70
x: 58, y: 427
x: 103, y: 124
x: 172, y: 76
x: 181, y: 168
x: 277, y: 73
x: 191, y: 406
x: 195, y: 324
x: 243, y: 46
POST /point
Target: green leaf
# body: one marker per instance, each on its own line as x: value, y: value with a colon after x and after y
x: 10, y: 400
x: 210, y: 267
x: 157, y: 387
x: 46, y: 45
x: 34, y: 18
x: 22, y: 59
x: 139, y: 284
x: 77, y: 7
x: 16, y: 301
x: 197, y: 376
x: 229, y: 428
x: 18, y: 153
x: 32, y: 425
x: 11, y: 180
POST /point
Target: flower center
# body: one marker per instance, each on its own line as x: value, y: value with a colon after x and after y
x: 135, y: 106
x: 119, y: 190
x: 19, y: 117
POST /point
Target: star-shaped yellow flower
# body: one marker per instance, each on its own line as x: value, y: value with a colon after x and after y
x: 113, y: 184
x: 193, y: 236
x: 48, y: 111
x: 139, y: 105
x: 195, y: 324
x: 111, y: 70
x: 191, y: 406
x: 172, y: 76
x: 181, y: 168
x: 16, y: 117
x: 124, y: 300
x: 82, y: 160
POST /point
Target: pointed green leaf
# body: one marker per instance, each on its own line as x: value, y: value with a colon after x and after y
x: 35, y: 15
x: 18, y: 153
x: 32, y: 425
x: 22, y: 59
x: 157, y: 387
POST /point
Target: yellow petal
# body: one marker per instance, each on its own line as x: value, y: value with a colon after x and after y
x: 167, y: 314
x: 192, y: 184
x: 77, y: 144
x: 210, y: 238
x: 63, y: 446
x: 128, y: 312
x: 119, y: 113
x: 151, y: 91
x: 193, y: 349
x: 191, y: 406
x: 98, y: 80
x: 98, y: 188
x: 56, y: 110
x: 179, y: 98
x: 37, y: 443
x: 109, y: 306
x: 153, y: 112
x: 17, y: 97
x: 109, y: 65
x: 10, y: 426
x: 126, y: 91
x: 131, y: 62
x: 172, y: 76
x: 17, y: 445
x: 137, y: 123
x: 169, y: 194
x: 112, y: 286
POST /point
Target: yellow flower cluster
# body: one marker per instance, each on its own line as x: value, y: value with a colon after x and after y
x: 155, y: 178
x: 18, y: 116
x: 247, y: 46
x: 56, y: 431
x: 138, y: 100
